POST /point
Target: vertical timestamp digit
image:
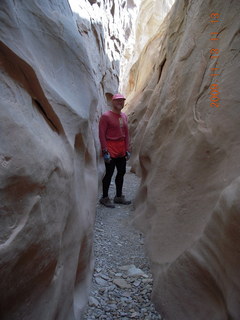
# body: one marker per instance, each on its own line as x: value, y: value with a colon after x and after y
x: 214, y: 95
x: 214, y: 55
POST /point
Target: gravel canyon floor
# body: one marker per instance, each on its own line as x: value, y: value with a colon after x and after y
x: 122, y: 281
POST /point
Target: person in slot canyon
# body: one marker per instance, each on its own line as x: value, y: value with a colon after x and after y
x: 114, y: 140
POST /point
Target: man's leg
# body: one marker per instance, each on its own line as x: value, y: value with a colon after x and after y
x: 121, y: 170
x: 108, y: 176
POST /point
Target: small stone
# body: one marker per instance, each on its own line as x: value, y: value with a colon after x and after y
x: 110, y: 288
x: 118, y: 274
x: 126, y: 294
x: 147, y: 280
x: 93, y: 302
x: 143, y: 292
x: 112, y: 306
x: 103, y: 276
x: 101, y: 291
x: 127, y: 267
x: 121, y: 283
x: 137, y: 283
x: 136, y: 272
x: 135, y: 315
x: 101, y: 281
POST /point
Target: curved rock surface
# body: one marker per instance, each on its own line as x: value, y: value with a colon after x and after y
x: 187, y: 153
x: 106, y: 28
x: 146, y: 19
x: 48, y: 162
x: 58, y: 67
x: 203, y: 282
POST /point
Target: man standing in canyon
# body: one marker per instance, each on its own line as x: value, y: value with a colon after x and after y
x: 114, y: 140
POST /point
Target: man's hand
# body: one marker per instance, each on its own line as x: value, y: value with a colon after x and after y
x: 106, y: 156
x: 128, y: 154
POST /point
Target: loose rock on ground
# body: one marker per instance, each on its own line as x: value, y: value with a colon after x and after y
x: 122, y: 281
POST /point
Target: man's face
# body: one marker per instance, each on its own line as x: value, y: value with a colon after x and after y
x: 118, y: 104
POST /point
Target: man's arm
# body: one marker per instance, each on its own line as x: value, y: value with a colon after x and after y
x: 102, y: 132
x: 102, y: 138
x: 127, y: 135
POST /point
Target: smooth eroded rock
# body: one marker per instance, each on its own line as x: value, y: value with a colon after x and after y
x: 186, y: 150
x: 47, y: 163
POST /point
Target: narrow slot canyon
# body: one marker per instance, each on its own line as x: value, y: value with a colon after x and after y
x: 122, y: 280
x: 173, y: 253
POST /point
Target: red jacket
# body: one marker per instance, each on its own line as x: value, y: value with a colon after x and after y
x: 113, y: 133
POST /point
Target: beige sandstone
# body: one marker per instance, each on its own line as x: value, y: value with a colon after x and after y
x: 48, y: 162
x: 106, y: 28
x: 59, y: 64
x: 146, y: 19
x: 187, y: 154
x: 57, y: 69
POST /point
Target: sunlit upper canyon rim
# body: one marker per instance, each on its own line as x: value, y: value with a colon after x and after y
x: 177, y: 63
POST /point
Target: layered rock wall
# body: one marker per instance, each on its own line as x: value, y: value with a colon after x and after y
x: 59, y: 65
x: 47, y: 162
x: 106, y: 28
x: 146, y: 19
x: 186, y: 149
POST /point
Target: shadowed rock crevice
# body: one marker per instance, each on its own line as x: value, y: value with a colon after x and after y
x: 41, y: 110
x: 23, y: 73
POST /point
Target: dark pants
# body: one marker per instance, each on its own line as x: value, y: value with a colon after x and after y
x: 120, y: 164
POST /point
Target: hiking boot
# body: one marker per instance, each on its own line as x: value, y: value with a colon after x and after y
x: 121, y: 200
x: 107, y: 202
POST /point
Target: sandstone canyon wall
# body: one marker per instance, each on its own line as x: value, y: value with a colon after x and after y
x: 60, y: 63
x: 187, y: 153
x: 145, y: 21
x: 49, y: 96
x: 106, y: 28
x: 58, y: 67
